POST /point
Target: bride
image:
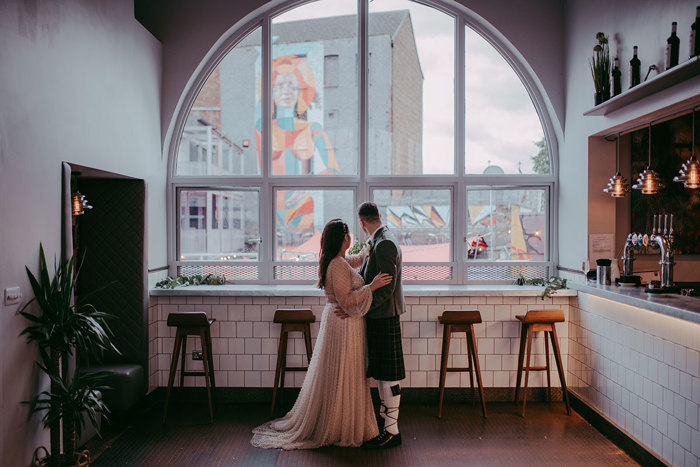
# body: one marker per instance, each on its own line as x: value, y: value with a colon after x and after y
x: 334, y: 405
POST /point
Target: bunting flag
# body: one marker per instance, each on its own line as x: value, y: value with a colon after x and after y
x: 393, y: 219
x: 436, y: 218
x: 419, y: 213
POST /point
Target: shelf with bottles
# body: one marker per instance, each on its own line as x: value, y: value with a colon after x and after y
x: 682, y: 72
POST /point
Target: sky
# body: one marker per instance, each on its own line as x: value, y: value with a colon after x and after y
x: 501, y: 124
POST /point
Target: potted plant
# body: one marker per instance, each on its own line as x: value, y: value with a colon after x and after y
x: 63, y: 328
x: 600, y: 69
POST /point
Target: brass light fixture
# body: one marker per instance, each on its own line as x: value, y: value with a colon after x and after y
x: 649, y: 181
x: 689, y: 174
x: 80, y: 204
x: 618, y: 186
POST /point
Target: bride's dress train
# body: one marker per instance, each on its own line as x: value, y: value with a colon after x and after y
x: 334, y: 405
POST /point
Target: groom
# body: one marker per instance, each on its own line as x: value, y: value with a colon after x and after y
x: 383, y: 328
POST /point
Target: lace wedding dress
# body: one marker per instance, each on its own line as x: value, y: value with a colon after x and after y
x: 334, y: 405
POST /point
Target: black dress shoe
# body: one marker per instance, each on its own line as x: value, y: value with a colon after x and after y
x: 384, y: 440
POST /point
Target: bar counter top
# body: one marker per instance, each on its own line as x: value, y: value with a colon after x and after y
x: 305, y: 290
x: 676, y: 305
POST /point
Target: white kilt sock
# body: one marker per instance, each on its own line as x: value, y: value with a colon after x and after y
x: 391, y: 398
x: 382, y: 407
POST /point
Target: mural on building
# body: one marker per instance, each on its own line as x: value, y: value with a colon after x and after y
x: 300, y: 146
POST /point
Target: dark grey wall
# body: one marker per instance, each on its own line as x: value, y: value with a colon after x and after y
x: 111, y: 244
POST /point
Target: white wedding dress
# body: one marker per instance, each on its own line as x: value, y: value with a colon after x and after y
x: 334, y: 406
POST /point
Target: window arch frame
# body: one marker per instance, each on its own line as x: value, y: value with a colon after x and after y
x: 363, y: 183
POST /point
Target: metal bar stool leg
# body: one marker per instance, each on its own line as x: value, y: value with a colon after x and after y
x: 446, y: 332
x: 560, y: 368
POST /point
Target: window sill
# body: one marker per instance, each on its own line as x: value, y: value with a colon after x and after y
x: 310, y: 291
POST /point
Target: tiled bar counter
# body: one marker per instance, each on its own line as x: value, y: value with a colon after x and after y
x: 244, y: 338
x: 635, y: 358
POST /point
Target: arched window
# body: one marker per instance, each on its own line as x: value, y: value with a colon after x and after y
x: 320, y: 107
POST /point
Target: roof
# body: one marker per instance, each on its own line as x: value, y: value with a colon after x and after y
x: 334, y: 27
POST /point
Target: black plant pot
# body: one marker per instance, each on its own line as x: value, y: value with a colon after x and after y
x: 598, y: 97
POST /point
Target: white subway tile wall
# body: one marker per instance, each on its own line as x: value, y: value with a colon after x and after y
x: 641, y: 370
x: 245, y: 340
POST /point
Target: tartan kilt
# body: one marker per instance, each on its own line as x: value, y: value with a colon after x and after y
x: 384, y: 352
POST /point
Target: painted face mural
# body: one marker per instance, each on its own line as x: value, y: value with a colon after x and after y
x: 299, y: 146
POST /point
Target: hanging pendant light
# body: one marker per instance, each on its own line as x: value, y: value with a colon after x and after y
x: 79, y: 204
x: 649, y: 180
x: 689, y: 174
x: 618, y: 186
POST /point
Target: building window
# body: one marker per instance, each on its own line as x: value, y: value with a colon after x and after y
x: 331, y: 71
x: 467, y: 194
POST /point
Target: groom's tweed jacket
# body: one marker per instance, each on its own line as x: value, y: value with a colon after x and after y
x: 384, y: 256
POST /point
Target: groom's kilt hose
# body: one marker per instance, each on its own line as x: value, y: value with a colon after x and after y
x: 384, y: 349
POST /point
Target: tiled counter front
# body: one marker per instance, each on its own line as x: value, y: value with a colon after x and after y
x: 245, y: 339
x: 641, y: 370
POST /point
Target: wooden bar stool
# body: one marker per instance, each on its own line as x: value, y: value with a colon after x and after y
x: 192, y: 323
x: 292, y: 320
x: 460, y: 321
x: 532, y: 322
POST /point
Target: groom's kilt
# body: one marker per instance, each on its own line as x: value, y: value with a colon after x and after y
x: 384, y: 349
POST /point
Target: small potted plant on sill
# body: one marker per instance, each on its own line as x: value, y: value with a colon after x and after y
x: 64, y: 329
x: 600, y: 69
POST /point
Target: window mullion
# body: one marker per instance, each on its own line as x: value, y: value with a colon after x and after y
x: 363, y: 73
x: 266, y: 216
x: 460, y: 193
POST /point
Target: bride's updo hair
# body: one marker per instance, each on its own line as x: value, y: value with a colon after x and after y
x: 332, y: 240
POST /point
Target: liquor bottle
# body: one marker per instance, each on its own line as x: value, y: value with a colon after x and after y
x: 672, y: 47
x: 616, y: 74
x: 635, y: 69
x: 694, y: 39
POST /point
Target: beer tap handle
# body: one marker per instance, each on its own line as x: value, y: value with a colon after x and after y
x: 653, y: 229
x: 665, y: 222
x: 670, y: 230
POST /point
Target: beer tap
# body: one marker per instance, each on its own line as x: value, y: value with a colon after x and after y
x: 664, y: 241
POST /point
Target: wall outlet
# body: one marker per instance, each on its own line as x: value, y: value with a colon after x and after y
x: 197, y: 355
x: 12, y: 295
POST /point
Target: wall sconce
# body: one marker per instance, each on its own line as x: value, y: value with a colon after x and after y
x: 246, y: 143
x: 649, y: 180
x: 80, y: 204
x: 618, y: 186
x: 689, y: 174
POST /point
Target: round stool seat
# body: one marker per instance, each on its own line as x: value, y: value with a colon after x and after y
x: 542, y: 317
x: 294, y: 315
x: 460, y: 317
